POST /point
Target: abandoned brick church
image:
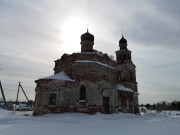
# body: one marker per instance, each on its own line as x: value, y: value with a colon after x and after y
x: 89, y: 82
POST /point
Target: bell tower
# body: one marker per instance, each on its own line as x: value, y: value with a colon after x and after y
x: 87, y: 42
x: 123, y: 55
x: 126, y: 70
x: 125, y: 66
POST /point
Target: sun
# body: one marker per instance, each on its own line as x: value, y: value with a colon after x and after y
x: 71, y: 32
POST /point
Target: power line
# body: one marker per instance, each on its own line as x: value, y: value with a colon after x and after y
x: 142, y: 60
x: 155, y: 58
x: 158, y: 58
x: 160, y: 66
x: 25, y: 70
x: 178, y: 53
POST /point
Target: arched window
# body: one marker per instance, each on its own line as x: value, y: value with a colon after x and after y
x: 131, y: 76
x: 119, y: 76
x: 124, y: 56
x: 52, y: 99
x: 82, y: 93
x: 121, y: 57
x: 119, y: 103
x: 127, y: 103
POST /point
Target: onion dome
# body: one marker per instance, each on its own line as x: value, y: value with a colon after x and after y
x: 122, y: 40
x: 87, y: 36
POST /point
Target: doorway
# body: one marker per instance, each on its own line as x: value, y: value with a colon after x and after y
x: 106, y: 109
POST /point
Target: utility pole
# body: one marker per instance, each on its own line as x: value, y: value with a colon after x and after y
x: 4, y: 99
x: 20, y: 86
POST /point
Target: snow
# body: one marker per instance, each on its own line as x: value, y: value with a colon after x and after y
x: 152, y: 123
x: 59, y: 76
x: 94, y: 52
x: 123, y: 88
x: 89, y: 61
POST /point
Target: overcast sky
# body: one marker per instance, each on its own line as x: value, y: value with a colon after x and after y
x: 34, y: 33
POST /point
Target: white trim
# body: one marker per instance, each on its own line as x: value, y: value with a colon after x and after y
x: 59, y: 76
x: 89, y: 61
x: 136, y: 94
x: 123, y: 88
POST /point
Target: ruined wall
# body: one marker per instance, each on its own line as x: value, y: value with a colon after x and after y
x: 126, y: 102
x: 127, y: 75
x: 67, y: 60
x: 68, y: 94
x: 100, y: 76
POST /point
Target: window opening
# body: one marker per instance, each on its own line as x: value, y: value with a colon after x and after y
x: 52, y: 99
x: 82, y: 93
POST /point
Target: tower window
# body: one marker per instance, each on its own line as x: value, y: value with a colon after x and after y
x: 131, y: 76
x: 127, y: 103
x: 82, y: 93
x: 52, y: 99
x: 119, y: 103
x: 121, y: 57
x: 119, y: 76
x: 124, y: 56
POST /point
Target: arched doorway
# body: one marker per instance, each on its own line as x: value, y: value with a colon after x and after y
x: 106, y: 104
x: 106, y: 101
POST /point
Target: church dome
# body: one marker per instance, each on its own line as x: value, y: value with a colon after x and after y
x: 122, y: 40
x: 87, y: 36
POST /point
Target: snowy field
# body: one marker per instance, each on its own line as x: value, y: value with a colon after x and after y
x: 166, y: 123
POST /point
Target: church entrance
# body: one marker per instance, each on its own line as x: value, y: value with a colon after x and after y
x: 106, y: 105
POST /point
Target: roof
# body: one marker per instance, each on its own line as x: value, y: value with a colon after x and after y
x: 122, y: 40
x: 89, y: 61
x: 123, y: 88
x: 87, y: 36
x: 59, y: 76
x: 94, y: 52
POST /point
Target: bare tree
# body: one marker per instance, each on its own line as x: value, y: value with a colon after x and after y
x: 111, y: 57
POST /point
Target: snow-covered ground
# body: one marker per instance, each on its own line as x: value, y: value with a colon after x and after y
x: 166, y: 123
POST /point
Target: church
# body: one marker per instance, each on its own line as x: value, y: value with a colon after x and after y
x: 89, y: 81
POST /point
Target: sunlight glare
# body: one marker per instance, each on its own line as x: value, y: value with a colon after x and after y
x: 71, y: 32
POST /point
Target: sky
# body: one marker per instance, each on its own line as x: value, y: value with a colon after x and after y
x: 35, y: 33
